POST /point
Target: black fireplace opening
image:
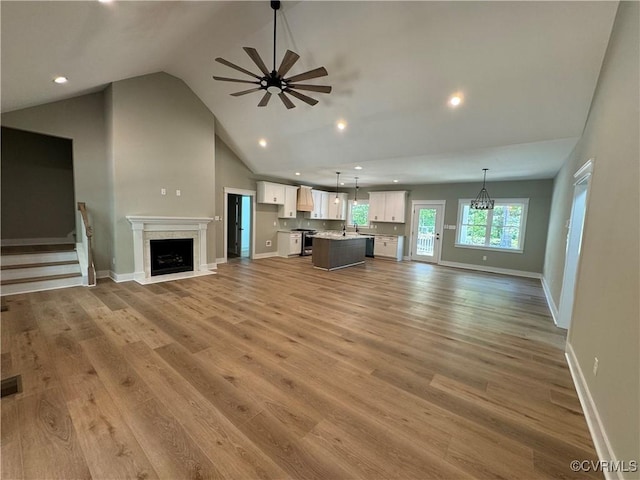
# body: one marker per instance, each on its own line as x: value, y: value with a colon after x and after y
x: 171, y: 255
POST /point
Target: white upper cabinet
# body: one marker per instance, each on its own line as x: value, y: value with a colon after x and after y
x: 320, y: 205
x: 387, y: 206
x: 270, y: 193
x: 288, y: 210
x: 337, y: 211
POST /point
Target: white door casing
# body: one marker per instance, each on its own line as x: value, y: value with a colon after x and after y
x: 426, y: 240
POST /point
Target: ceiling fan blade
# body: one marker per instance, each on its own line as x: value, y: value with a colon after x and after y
x: 236, y: 67
x: 225, y: 79
x: 287, y: 103
x: 244, y: 92
x: 253, y: 54
x: 304, y: 98
x: 265, y: 100
x: 312, y: 88
x: 315, y: 73
x: 289, y: 59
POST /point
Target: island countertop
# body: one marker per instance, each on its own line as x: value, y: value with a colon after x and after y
x: 339, y: 236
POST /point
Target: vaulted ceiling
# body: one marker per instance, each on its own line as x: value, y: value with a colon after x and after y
x: 527, y: 72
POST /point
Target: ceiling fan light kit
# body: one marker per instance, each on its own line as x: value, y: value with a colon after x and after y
x: 274, y: 82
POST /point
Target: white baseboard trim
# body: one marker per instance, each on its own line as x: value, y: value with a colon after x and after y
x: 406, y: 258
x: 121, y: 277
x: 259, y: 256
x: 596, y: 428
x: 221, y: 260
x: 212, y: 266
x: 482, y: 268
x: 552, y: 305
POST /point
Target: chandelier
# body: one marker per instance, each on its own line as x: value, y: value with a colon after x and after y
x: 483, y: 200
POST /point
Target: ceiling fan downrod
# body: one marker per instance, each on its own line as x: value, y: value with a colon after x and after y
x: 275, y: 4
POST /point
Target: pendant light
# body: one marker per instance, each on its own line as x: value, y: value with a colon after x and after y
x: 337, y: 200
x: 483, y: 200
x: 355, y: 200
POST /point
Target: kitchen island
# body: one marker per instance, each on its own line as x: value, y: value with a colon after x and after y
x: 334, y: 251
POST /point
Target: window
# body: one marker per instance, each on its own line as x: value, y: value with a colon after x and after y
x: 499, y: 229
x: 358, y: 214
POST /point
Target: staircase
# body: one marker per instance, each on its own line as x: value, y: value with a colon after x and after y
x: 30, y: 268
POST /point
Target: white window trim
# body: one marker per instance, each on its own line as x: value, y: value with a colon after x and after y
x: 350, y: 220
x: 462, y: 202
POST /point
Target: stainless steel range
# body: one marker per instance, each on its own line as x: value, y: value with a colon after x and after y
x: 306, y: 241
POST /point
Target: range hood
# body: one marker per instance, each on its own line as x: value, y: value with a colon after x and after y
x: 305, y: 199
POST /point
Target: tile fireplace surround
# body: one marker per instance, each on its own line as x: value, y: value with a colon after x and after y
x: 147, y: 228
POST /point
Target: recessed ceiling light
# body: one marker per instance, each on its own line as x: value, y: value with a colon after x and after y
x: 455, y: 99
x: 105, y: 1
x: 298, y: 173
x: 341, y: 183
x: 358, y: 167
x: 60, y: 80
x: 396, y: 181
x: 341, y: 124
x: 262, y: 142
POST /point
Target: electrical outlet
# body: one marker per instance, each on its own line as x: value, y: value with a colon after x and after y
x: 285, y: 224
x: 395, y: 227
x: 268, y: 243
x: 113, y: 261
x: 275, y: 224
x: 596, y: 362
x: 163, y: 191
x: 484, y: 258
x: 178, y: 193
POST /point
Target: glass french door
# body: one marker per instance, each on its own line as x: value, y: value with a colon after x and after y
x: 426, y: 231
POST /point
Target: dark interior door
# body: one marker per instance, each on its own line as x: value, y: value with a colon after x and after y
x: 234, y: 225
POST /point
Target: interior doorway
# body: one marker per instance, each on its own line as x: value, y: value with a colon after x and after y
x: 574, y: 244
x: 238, y: 226
x: 239, y: 234
x: 427, y: 222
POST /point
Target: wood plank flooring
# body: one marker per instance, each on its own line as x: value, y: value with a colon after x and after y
x: 273, y: 369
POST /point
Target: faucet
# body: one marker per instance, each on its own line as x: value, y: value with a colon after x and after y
x: 344, y: 230
x: 356, y: 225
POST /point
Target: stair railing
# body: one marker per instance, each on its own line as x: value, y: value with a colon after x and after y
x: 86, y: 240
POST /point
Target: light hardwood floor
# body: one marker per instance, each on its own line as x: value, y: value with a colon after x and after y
x: 273, y: 369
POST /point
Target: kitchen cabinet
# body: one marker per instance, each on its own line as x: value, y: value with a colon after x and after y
x: 289, y: 243
x: 272, y: 193
x: 320, y: 205
x: 389, y: 246
x: 337, y: 211
x: 387, y: 206
x: 288, y: 210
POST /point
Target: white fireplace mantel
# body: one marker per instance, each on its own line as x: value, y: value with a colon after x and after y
x: 147, y: 228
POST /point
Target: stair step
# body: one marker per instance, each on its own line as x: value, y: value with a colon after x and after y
x: 36, y: 271
x: 21, y: 249
x: 40, y: 279
x: 40, y: 257
x: 40, y: 264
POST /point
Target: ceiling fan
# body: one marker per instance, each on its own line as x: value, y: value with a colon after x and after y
x: 274, y: 82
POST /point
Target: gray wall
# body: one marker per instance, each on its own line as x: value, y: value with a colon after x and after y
x: 537, y: 191
x: 82, y: 120
x: 161, y: 136
x: 606, y: 314
x: 37, y: 186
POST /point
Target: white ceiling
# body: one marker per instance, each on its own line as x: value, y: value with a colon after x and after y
x: 527, y: 71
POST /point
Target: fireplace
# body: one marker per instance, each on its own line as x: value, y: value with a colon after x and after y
x: 182, y: 250
x: 171, y: 255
